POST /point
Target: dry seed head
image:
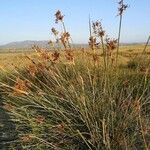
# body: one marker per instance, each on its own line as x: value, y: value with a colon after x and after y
x: 51, y: 44
x: 125, y: 83
x: 36, y: 48
x: 21, y: 87
x: 98, y: 29
x: 136, y: 105
x: 65, y: 39
x: 45, y: 55
x: 61, y: 127
x: 146, y: 129
x: 8, y: 107
x: 57, y: 40
x: 111, y: 44
x: 59, y: 16
x: 92, y: 42
x: 41, y: 66
x: 26, y: 138
x: 66, y: 36
x: 145, y: 70
x: 122, y: 7
x: 69, y: 56
x: 55, y: 56
x: 54, y: 31
x: 40, y: 119
x: 95, y: 58
x: 125, y: 105
x: 101, y: 33
x: 32, y: 70
x: 41, y: 52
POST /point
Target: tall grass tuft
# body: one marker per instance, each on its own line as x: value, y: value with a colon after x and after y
x: 74, y: 100
x: 121, y: 9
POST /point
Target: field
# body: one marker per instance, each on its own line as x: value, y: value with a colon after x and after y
x: 18, y: 58
x: 71, y: 104
x: 94, y: 98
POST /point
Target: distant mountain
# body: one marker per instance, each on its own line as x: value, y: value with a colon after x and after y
x: 29, y: 44
x: 24, y: 44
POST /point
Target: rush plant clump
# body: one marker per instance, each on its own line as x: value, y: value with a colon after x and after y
x: 69, y: 99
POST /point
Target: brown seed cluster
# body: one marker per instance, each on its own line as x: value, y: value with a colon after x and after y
x: 21, y: 87
x: 96, y: 37
x: 60, y: 127
x: 41, y: 66
x: 122, y: 7
x: 40, y: 119
x: 51, y: 44
x: 8, y: 107
x: 95, y: 58
x: 65, y: 39
x: 92, y: 42
x: 59, y: 16
x: 54, y: 31
x: 111, y: 44
x: 32, y: 69
x: 69, y: 56
x: 145, y: 70
x: 26, y: 138
x: 43, y: 53
x: 137, y: 105
x: 98, y: 29
x: 55, y: 56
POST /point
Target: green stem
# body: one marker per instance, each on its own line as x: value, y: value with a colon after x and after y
x: 64, y: 26
x: 104, y: 53
x: 141, y: 125
x: 146, y: 45
x: 119, y: 34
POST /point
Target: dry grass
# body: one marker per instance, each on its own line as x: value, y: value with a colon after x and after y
x: 7, y: 60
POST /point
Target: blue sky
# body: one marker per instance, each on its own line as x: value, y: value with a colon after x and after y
x: 32, y: 19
